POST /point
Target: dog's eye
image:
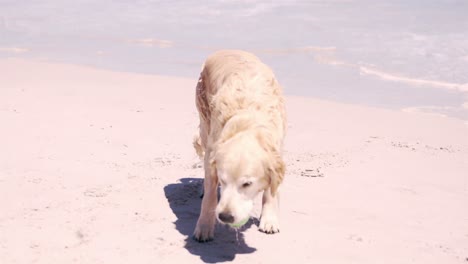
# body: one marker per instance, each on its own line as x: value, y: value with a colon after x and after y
x: 246, y: 184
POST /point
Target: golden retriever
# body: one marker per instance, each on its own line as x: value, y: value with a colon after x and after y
x: 242, y: 126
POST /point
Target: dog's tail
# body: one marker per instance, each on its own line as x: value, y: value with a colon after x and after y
x: 197, y: 144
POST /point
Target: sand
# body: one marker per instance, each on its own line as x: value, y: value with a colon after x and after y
x: 98, y: 167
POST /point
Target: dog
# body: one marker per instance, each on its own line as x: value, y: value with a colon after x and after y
x: 241, y: 133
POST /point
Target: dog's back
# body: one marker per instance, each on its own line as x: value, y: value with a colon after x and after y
x: 234, y: 81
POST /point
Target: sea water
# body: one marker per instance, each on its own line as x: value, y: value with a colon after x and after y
x: 410, y: 55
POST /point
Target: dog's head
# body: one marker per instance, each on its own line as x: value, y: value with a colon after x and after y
x: 246, y: 164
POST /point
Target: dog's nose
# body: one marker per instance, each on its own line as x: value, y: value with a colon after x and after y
x: 226, y: 218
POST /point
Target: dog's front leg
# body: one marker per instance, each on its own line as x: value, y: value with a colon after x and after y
x: 204, y: 231
x: 269, y: 220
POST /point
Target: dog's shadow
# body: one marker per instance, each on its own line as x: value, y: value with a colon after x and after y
x: 184, y: 200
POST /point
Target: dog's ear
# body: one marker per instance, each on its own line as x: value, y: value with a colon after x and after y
x: 274, y: 164
x: 276, y: 170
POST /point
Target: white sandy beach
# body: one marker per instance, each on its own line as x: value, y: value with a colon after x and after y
x: 98, y: 167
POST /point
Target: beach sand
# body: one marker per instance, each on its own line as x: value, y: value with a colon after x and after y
x: 98, y: 167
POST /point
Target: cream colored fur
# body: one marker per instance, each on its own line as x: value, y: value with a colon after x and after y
x: 242, y: 126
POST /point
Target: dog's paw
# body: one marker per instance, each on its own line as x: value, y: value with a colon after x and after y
x: 203, y: 233
x: 269, y: 224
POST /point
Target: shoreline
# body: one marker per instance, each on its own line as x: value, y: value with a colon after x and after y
x: 445, y: 111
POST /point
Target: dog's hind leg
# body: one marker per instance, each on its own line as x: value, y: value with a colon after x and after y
x: 197, y: 144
